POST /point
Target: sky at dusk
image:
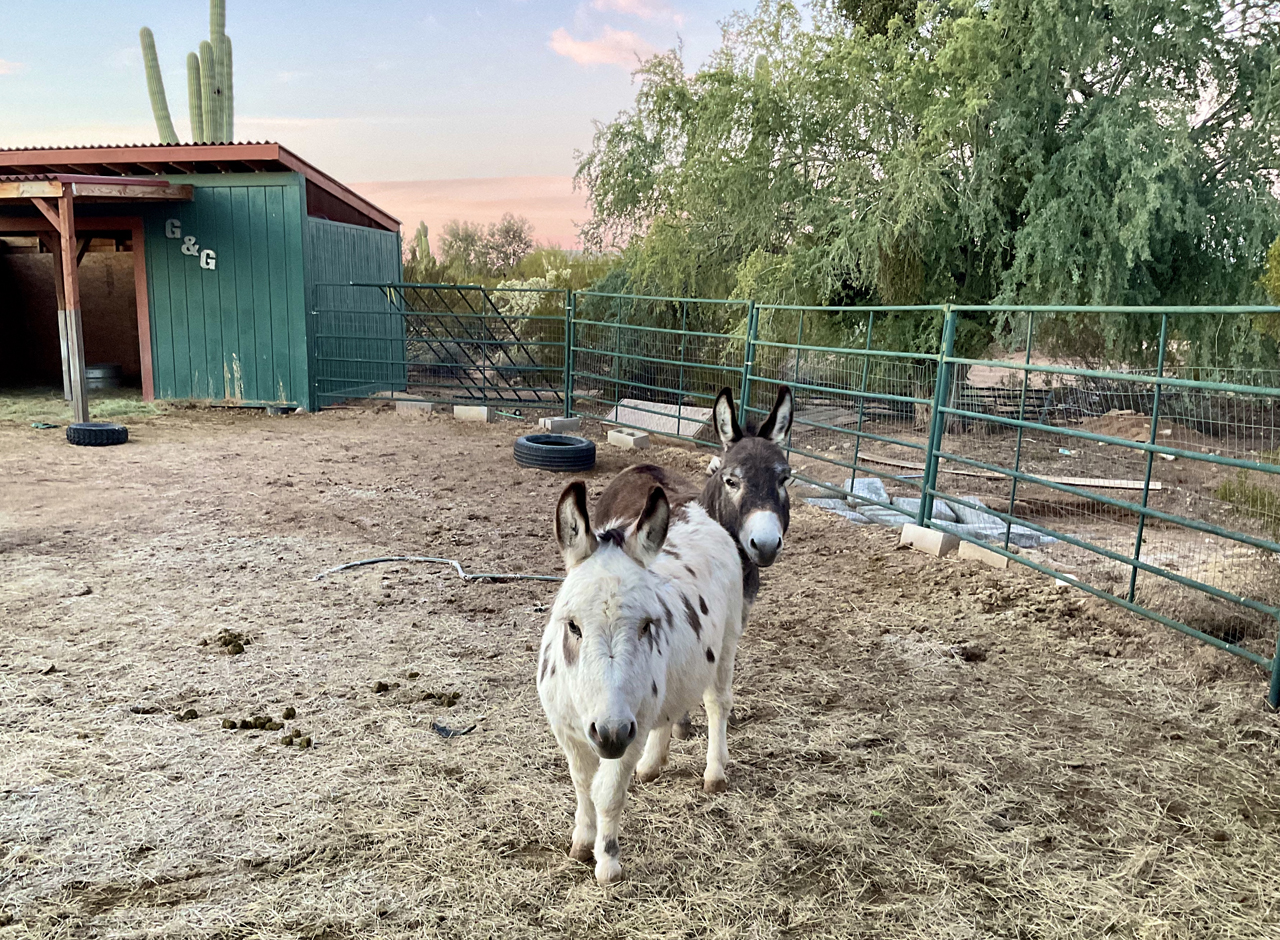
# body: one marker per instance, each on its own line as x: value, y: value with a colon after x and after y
x: 371, y: 92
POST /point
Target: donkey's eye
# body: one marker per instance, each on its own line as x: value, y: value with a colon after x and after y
x: 732, y: 482
x: 573, y: 628
x: 645, y: 627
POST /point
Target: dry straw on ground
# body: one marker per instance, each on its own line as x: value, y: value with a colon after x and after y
x: 921, y: 748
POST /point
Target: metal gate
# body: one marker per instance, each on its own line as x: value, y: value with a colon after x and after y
x: 440, y: 343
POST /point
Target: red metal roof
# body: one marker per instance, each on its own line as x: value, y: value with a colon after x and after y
x: 176, y: 160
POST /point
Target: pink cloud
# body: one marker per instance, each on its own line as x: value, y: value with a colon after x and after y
x: 613, y: 47
x: 10, y: 68
x: 645, y: 9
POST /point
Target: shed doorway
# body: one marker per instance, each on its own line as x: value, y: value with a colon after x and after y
x: 31, y: 355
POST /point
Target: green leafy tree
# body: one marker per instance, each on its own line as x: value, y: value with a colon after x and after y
x: 1019, y: 151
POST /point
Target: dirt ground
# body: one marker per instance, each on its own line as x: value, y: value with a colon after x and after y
x: 921, y: 748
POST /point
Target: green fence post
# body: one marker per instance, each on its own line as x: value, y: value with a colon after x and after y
x: 570, y: 301
x: 748, y: 361
x: 941, y: 386
x: 1273, y: 698
x: 1151, y: 439
x: 684, y: 349
x: 1022, y: 416
x: 862, y: 399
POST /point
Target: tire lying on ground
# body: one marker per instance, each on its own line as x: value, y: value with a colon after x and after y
x: 560, y: 453
x: 92, y: 434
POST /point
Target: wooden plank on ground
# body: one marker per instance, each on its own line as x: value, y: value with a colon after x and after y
x: 1082, y: 482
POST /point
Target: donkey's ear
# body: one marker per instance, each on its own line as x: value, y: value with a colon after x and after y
x: 573, y: 529
x: 725, y: 419
x: 645, y: 540
x: 778, y: 423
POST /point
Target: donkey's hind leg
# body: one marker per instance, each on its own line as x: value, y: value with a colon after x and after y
x: 657, y: 749
x: 683, y: 729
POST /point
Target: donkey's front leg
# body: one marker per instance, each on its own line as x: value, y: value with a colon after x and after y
x: 583, y: 764
x: 609, y: 793
x: 718, y: 700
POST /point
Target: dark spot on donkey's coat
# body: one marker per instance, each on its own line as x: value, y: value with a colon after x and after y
x: 611, y: 847
x: 702, y: 605
x: 655, y: 689
x: 711, y: 657
x: 692, y: 613
x: 693, y: 574
x: 542, y: 673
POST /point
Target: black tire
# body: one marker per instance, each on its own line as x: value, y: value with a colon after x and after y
x: 97, y: 435
x: 559, y: 453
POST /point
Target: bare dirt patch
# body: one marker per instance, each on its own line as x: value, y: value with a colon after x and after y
x: 921, y: 748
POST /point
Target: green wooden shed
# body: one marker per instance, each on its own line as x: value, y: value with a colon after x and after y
x: 224, y: 283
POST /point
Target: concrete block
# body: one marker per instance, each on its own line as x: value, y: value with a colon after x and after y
x: 414, y: 407
x: 628, y: 439
x: 972, y: 552
x: 560, y: 425
x: 482, y: 413
x: 929, y: 541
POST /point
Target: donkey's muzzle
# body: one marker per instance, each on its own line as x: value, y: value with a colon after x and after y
x: 612, y: 741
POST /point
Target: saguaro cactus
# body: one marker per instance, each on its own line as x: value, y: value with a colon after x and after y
x: 208, y: 96
x: 195, y: 98
x: 155, y: 88
x: 223, y: 72
x: 209, y: 80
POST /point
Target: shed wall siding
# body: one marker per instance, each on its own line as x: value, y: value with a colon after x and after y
x: 359, y: 337
x: 236, y: 333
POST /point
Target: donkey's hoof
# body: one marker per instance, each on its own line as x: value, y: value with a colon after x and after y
x: 581, y: 852
x: 648, y: 774
x: 718, y: 785
x: 608, y: 871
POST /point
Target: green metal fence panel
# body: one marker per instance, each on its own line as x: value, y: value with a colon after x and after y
x: 1147, y: 474
x: 441, y: 343
x: 364, y: 333
x: 656, y: 363
x: 862, y: 404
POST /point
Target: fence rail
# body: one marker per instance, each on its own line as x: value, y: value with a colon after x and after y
x: 1150, y: 479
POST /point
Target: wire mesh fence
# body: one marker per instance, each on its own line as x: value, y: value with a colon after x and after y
x: 1131, y: 452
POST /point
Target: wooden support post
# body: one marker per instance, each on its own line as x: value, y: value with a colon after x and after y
x: 144, y: 309
x: 52, y: 242
x: 71, y: 287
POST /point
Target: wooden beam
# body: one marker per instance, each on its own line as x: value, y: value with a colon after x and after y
x: 82, y: 245
x: 49, y: 212
x: 31, y: 189
x: 144, y: 309
x: 183, y: 167
x: 118, y: 168
x: 32, y: 224
x: 132, y: 191
x: 75, y: 327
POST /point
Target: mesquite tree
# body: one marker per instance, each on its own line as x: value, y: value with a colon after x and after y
x: 1046, y: 151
